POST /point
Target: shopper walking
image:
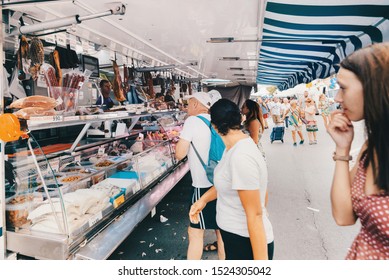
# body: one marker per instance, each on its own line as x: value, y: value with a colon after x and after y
x: 197, y: 132
x: 275, y: 110
x: 363, y: 192
x: 254, y: 123
x: 302, y: 100
x: 265, y: 111
x: 295, y: 121
x: 240, y: 181
x: 311, y: 125
x: 324, y: 107
x: 284, y: 107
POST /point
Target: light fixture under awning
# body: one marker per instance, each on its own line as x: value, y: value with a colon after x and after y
x: 116, y: 8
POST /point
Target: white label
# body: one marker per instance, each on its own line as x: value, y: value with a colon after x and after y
x: 41, y: 81
x: 85, y: 45
x: 59, y: 100
x: 61, y: 39
x: 77, y: 158
x: 101, y: 151
x: 57, y: 118
x: 50, y: 38
x: 112, y: 55
x: 72, y: 42
x: 121, y: 129
x: 92, y: 221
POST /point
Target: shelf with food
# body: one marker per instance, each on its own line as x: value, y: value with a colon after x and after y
x: 46, y: 122
x: 92, y: 191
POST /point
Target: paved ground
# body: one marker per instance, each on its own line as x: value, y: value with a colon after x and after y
x: 299, y: 206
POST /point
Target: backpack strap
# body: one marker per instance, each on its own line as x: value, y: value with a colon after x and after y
x: 198, y: 155
x: 208, y: 123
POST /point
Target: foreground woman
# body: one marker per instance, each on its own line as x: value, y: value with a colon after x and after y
x: 364, y: 192
x: 240, y: 181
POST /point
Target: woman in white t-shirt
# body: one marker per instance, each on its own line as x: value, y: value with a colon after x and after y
x: 240, y: 186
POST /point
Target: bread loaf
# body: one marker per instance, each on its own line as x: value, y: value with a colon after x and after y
x: 26, y: 113
x: 34, y: 101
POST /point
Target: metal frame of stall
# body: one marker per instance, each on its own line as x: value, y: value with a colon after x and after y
x: 107, y: 240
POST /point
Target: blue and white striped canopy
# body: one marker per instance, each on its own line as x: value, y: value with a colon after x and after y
x: 303, y: 40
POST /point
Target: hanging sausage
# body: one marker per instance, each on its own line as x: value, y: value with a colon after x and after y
x: 55, y: 62
x: 23, y: 56
x: 117, y: 83
x: 37, y: 57
x: 125, y: 82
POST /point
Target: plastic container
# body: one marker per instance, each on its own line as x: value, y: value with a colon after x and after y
x: 52, y: 188
x: 18, y: 207
x: 67, y: 98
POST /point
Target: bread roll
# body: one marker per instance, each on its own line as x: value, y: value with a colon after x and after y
x: 34, y: 101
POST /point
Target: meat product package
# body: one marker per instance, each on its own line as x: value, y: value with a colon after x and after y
x: 28, y: 112
x: 66, y: 96
x: 34, y: 101
x: 117, y: 84
x: 50, y: 76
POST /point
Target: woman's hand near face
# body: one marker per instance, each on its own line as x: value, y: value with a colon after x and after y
x: 341, y: 130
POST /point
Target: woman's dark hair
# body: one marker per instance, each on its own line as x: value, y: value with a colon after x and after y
x: 225, y: 115
x: 371, y: 66
x: 255, y: 112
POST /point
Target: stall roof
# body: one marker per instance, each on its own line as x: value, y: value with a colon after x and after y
x: 267, y: 42
x: 307, y: 40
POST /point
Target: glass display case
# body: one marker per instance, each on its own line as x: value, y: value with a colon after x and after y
x: 60, y: 197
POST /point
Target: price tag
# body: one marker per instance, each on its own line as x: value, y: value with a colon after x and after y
x: 85, y: 45
x: 119, y: 200
x: 61, y: 39
x: 57, y: 118
x: 59, y: 101
x: 112, y: 55
x: 101, y: 151
x: 93, y: 220
x: 72, y: 42
x: 41, y: 81
x: 77, y: 158
x: 50, y: 38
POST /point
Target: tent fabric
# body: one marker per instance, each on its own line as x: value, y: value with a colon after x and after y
x: 305, y: 40
x: 237, y: 94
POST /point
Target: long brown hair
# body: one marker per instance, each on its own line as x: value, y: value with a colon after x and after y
x: 371, y: 66
x: 255, y: 113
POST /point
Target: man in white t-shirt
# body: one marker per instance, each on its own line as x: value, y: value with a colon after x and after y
x: 197, y: 132
x: 275, y: 110
x: 285, y: 106
x: 302, y: 100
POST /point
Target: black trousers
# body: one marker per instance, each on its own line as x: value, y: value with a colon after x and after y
x: 238, y: 247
